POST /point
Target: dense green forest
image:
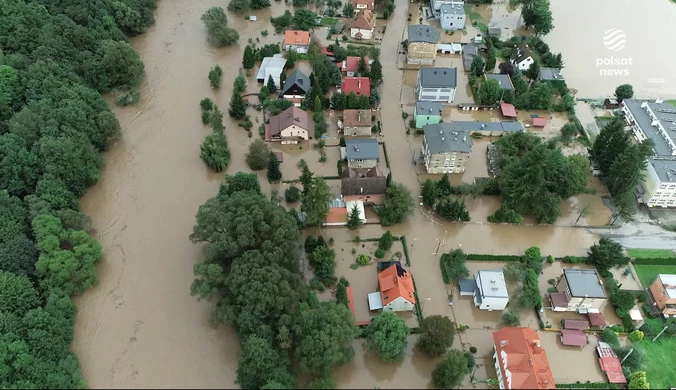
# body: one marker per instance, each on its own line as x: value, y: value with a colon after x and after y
x: 56, y: 57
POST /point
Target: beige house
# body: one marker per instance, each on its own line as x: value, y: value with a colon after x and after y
x: 357, y: 123
x: 363, y: 25
x: 663, y: 290
x: 291, y: 126
x: 444, y: 149
x: 368, y: 188
x: 579, y: 290
x: 422, y: 44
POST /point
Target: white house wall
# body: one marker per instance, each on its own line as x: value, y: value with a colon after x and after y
x: 399, y: 304
x: 490, y: 303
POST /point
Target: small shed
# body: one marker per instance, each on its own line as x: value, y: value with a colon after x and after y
x: 576, y: 338
x: 597, y: 320
x: 575, y: 324
x: 508, y: 110
x: 375, y: 301
x: 467, y: 287
x: 539, y: 122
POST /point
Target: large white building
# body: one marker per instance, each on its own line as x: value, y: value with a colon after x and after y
x: 491, y: 290
x: 655, y: 120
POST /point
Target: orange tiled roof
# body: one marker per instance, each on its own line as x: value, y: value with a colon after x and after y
x: 296, y: 37
x: 526, y: 359
x: 393, y: 286
x: 337, y: 215
x: 365, y: 21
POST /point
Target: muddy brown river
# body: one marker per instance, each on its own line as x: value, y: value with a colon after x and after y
x: 140, y: 327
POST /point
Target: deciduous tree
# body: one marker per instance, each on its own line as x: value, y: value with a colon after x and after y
x: 387, y: 335
x: 624, y: 91
x: 606, y: 254
x: 437, y: 334
x: 17, y: 295
x: 477, y: 66
x: 324, y: 334
x: 489, y: 92
x: 397, y: 206
x: 240, y: 181
x: 450, y: 372
x: 218, y: 33
x: 259, y: 364
x: 258, y: 155
x: 214, y: 151
x: 315, y: 201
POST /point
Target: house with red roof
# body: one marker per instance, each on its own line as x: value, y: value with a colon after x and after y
x: 363, y: 25
x: 396, y: 290
x: 296, y: 40
x: 350, y: 65
x: 520, y: 361
x: 359, y: 85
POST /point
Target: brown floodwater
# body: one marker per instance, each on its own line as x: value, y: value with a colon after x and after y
x: 140, y: 327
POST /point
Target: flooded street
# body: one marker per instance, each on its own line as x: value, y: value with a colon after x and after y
x: 140, y: 327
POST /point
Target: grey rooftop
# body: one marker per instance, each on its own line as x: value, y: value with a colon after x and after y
x: 423, y: 33
x: 362, y: 148
x: 445, y: 138
x: 438, y: 77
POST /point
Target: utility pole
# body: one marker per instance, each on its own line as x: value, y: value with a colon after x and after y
x: 660, y: 334
x: 625, y: 358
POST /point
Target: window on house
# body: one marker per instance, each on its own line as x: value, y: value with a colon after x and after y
x: 663, y: 186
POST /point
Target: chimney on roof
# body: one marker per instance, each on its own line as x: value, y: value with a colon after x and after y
x: 441, y: 132
x: 430, y: 110
x: 443, y: 139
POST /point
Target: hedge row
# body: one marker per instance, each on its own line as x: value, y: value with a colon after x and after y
x: 387, y: 159
x: 444, y: 270
x: 396, y: 238
x: 654, y: 261
x: 323, y: 177
x: 403, y: 242
x: 573, y: 259
x: 418, y: 307
x: 592, y: 385
x: 486, y: 257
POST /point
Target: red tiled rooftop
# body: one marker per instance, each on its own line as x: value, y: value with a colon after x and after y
x: 508, y: 110
x: 596, y: 319
x: 539, y: 122
x: 575, y: 338
x: 526, y: 359
x: 351, y: 63
x: 358, y: 85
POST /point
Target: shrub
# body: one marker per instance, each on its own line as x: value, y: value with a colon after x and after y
x: 503, y: 214
x: 292, y: 194
x: 128, y: 98
x: 610, y: 337
x: 453, y: 266
x: 214, y: 151
x: 386, y: 241
x: 257, y: 157
x: 470, y: 360
x: 380, y: 253
x: 510, y: 318
x: 363, y: 259
x: 649, y: 312
x: 648, y: 330
x: 472, y: 349
x: 636, y: 336
x: 316, y: 284
x: 486, y: 257
x: 638, y: 380
x: 550, y: 259
x: 215, y: 77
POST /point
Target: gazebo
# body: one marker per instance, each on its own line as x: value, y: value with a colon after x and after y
x: 539, y: 122
x: 575, y: 338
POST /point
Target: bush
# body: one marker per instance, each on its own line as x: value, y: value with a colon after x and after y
x: 574, y: 260
x: 403, y: 242
x: 638, y: 380
x: 648, y: 330
x: 636, y: 336
x: 510, y: 318
x: 218, y: 33
x: 215, y: 77
x: 649, y: 311
x: 380, y: 253
x: 610, y: 337
x: 292, y: 194
x: 503, y: 214
x: 128, y: 98
x: 470, y: 360
x: 363, y: 259
x: 472, y: 349
x: 386, y: 241
x: 214, y: 151
x: 258, y: 155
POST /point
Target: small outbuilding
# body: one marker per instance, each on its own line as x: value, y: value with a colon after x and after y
x: 539, y: 122
x: 508, y: 110
x: 575, y: 338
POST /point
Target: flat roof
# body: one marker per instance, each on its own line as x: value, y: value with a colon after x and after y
x: 423, y: 33
x: 584, y: 283
x: 665, y: 114
x: 276, y: 63
x: 362, y: 148
x: 665, y: 169
x: 445, y: 138
x: 503, y: 126
x: 669, y: 283
x: 503, y: 80
x: 375, y: 301
x: 428, y: 108
x: 550, y: 74
x: 492, y: 284
x: 438, y: 77
x: 467, y: 285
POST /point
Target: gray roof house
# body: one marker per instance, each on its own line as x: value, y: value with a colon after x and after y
x: 445, y: 138
x: 436, y: 84
x: 584, y: 283
x: 452, y: 16
x: 423, y: 33
x: 438, y: 77
x: 503, y: 80
x: 550, y: 74
x: 469, y: 51
x: 297, y: 84
x: 362, y: 153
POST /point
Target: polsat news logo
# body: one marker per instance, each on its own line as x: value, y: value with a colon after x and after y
x: 614, y: 40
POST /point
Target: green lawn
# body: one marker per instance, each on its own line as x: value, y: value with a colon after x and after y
x: 647, y: 273
x: 650, y: 253
x: 475, y: 17
x: 329, y: 21
x: 672, y: 102
x: 659, y: 361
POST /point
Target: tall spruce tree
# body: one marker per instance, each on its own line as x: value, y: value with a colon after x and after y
x: 272, y: 87
x: 249, y: 59
x: 274, y: 173
x: 237, y: 107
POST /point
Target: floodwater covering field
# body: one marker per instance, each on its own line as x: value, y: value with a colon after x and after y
x: 140, y: 327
